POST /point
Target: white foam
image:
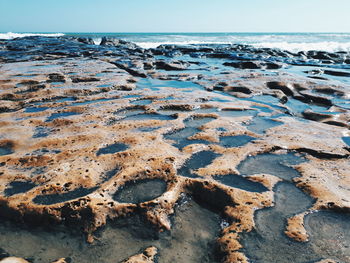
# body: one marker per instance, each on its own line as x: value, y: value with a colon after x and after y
x: 97, y: 41
x: 156, y: 44
x: 11, y: 35
x: 328, y: 46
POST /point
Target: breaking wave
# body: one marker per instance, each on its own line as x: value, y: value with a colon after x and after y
x: 11, y: 35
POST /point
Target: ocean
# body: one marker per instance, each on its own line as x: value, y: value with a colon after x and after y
x: 294, y: 42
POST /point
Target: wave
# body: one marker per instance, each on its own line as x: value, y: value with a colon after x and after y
x: 328, y: 46
x: 156, y: 44
x: 97, y: 40
x: 292, y: 47
x: 11, y: 35
x: 294, y: 42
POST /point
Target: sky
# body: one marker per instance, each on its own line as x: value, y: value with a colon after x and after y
x: 174, y: 16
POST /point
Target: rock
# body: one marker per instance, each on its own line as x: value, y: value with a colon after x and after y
x: 84, y: 79
x: 253, y: 65
x: 60, y: 156
x: 286, y: 88
x: 175, y: 65
x: 244, y: 65
x: 56, y: 77
x: 63, y: 260
x: 3, y: 254
x: 86, y: 40
x: 337, y: 73
x: 110, y: 41
x: 147, y: 256
x: 131, y: 71
x: 311, y: 97
x: 13, y: 260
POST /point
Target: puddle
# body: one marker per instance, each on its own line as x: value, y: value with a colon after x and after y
x: 55, y: 83
x: 130, y: 112
x: 140, y: 191
x: 342, y: 103
x: 192, y: 240
x: 35, y: 109
x: 346, y: 140
x: 192, y: 127
x: 168, y: 98
x: 156, y: 84
x: 41, y: 132
x: 180, y: 137
x: 112, y: 148
x: 236, y: 113
x: 131, y: 96
x: 194, y: 232
x: 297, y: 107
x: 220, y: 100
x: 274, y: 164
x: 235, y: 141
x: 197, y: 122
x: 43, y: 151
x: 25, y: 76
x: 6, y: 149
x: 110, y: 174
x: 329, y: 232
x: 102, y: 74
x: 18, y: 187
x: 141, y: 102
x: 207, y: 110
x: 271, y: 101
x: 51, y: 199
x: 240, y: 182
x: 61, y: 115
x: 90, y: 102
x: 196, y: 161
x: 104, y: 85
x: 264, y: 109
x: 260, y: 125
x: 148, y: 129
x: 69, y: 99
x: 150, y: 116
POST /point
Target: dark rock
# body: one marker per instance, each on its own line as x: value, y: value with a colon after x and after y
x: 311, y: 97
x: 273, y: 65
x: 84, y: 79
x: 286, y: 88
x: 241, y: 89
x: 56, y: 77
x: 315, y: 116
x: 337, y: 73
x: 131, y: 71
x: 110, y: 41
x: 86, y: 40
x: 175, y: 65
x: 243, y: 65
x: 3, y: 254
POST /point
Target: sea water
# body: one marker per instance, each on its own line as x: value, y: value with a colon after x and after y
x: 294, y: 42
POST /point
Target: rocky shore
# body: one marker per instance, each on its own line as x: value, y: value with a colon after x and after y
x: 198, y: 153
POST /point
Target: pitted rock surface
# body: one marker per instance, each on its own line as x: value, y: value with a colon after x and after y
x: 64, y: 103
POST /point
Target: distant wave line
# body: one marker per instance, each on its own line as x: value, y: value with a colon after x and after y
x: 11, y: 35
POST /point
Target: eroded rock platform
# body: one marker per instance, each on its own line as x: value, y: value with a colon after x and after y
x: 221, y: 153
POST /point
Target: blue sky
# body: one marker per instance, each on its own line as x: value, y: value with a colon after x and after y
x: 174, y: 15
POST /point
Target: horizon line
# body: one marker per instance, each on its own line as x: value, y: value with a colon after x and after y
x: 179, y: 32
